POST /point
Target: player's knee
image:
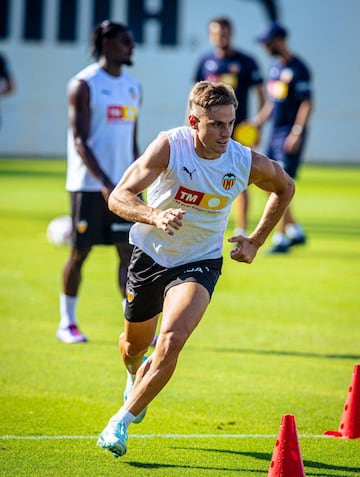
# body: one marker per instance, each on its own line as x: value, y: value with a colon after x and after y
x: 172, y: 342
x: 133, y: 349
x: 79, y: 255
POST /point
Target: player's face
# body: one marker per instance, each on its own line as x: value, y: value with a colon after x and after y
x: 120, y: 48
x: 272, y: 47
x: 219, y: 36
x: 213, y: 131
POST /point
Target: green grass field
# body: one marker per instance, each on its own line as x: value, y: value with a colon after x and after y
x: 281, y: 336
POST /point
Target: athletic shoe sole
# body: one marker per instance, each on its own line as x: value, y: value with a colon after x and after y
x: 117, y: 448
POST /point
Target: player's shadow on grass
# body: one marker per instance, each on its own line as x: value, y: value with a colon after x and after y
x: 301, y: 354
x: 308, y: 464
x: 267, y: 457
x: 144, y: 465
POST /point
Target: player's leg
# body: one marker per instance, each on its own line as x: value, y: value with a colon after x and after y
x: 68, y: 330
x: 291, y: 229
x: 86, y: 227
x: 281, y: 243
x: 72, y: 270
x: 183, y: 309
x: 133, y: 344
x: 124, y: 250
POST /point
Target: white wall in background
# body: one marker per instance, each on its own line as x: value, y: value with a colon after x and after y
x: 324, y: 32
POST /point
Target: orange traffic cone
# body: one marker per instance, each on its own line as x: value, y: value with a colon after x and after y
x: 350, y: 421
x: 286, y: 459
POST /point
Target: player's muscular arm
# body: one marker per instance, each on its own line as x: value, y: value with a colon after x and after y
x: 270, y: 177
x: 79, y: 119
x: 124, y: 200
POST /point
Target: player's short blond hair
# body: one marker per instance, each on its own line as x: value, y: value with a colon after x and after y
x: 206, y: 94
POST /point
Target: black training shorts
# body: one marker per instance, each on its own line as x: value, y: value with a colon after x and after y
x: 148, y: 282
x: 94, y: 223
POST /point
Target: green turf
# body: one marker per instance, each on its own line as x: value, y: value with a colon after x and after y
x: 280, y: 336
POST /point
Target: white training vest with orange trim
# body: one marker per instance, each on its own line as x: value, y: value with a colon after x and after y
x: 205, y: 189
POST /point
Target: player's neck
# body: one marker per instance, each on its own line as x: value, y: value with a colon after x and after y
x: 110, y: 68
x: 224, y: 52
x: 286, y: 55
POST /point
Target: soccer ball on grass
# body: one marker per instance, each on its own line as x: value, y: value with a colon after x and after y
x: 59, y: 231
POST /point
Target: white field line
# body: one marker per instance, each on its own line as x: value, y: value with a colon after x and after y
x: 167, y: 436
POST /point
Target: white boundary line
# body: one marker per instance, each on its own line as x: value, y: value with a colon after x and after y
x: 167, y: 436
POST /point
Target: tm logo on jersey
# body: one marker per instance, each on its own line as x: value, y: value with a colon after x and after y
x: 200, y: 199
x: 121, y: 113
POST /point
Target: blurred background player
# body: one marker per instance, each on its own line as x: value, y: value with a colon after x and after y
x: 289, y: 106
x: 231, y: 66
x: 103, y: 108
x: 7, y: 84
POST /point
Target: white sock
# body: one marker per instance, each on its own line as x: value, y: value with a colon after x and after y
x: 294, y: 231
x: 131, y: 377
x: 239, y: 231
x: 280, y: 239
x: 125, y: 416
x: 67, y: 310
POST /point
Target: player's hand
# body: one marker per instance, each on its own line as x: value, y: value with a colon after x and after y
x: 245, y: 249
x: 169, y: 220
x: 292, y: 143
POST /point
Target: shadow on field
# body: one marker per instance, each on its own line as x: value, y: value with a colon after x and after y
x: 352, y: 357
x: 143, y: 465
x: 309, y: 464
x: 264, y: 456
x: 329, y: 467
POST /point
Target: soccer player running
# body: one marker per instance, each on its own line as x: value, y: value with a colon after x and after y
x: 229, y: 65
x: 103, y: 108
x: 289, y: 107
x: 193, y: 173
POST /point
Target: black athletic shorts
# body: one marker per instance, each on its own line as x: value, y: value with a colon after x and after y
x: 148, y: 282
x: 93, y: 222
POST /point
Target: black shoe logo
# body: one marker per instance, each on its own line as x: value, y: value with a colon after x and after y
x: 188, y: 172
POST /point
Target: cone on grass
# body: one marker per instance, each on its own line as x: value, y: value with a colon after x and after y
x: 349, y: 427
x: 286, y: 459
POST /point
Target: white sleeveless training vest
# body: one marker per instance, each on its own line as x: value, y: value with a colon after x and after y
x: 114, y: 105
x: 205, y: 189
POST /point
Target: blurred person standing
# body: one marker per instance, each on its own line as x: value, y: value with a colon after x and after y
x: 231, y: 66
x: 289, y: 106
x: 7, y: 84
x: 103, y: 105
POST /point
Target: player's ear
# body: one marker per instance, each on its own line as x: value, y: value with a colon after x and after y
x: 193, y: 121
